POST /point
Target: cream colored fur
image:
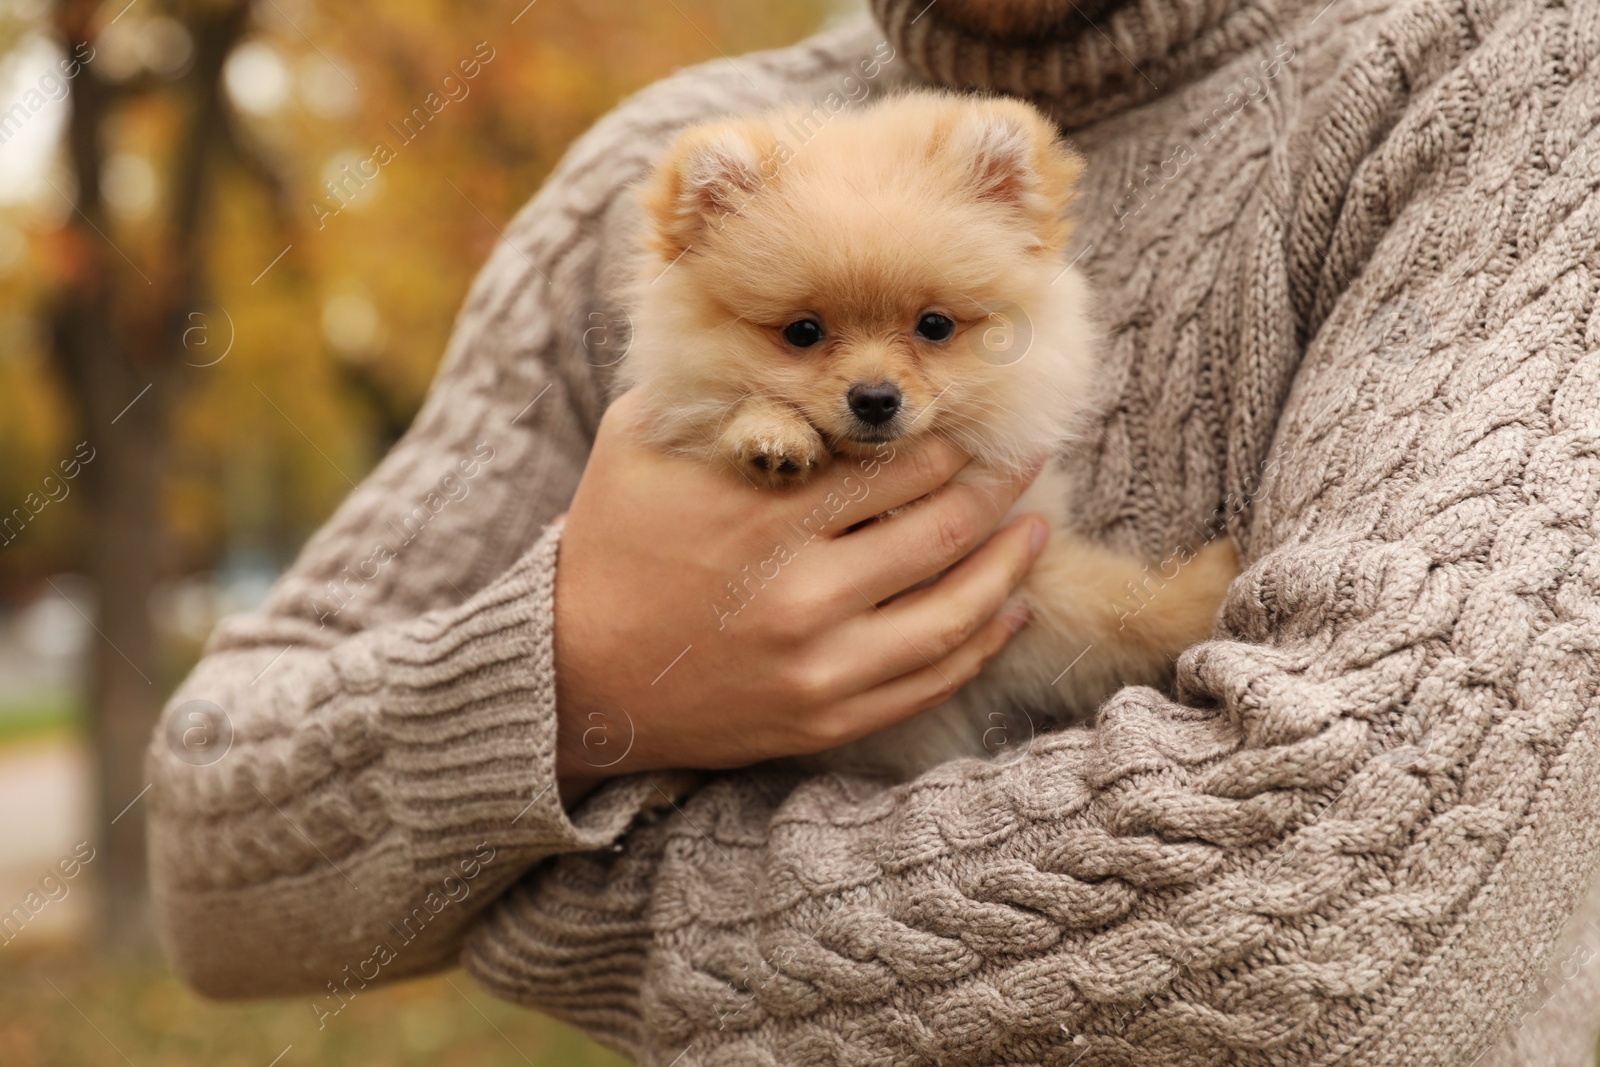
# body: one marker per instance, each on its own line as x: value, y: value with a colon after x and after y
x: 923, y: 202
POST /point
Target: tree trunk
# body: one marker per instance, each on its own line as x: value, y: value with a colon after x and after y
x: 118, y: 329
x: 126, y: 695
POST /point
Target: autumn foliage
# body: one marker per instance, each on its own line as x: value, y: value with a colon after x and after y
x: 383, y: 144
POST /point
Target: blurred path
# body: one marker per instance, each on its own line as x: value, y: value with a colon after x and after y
x: 44, y: 812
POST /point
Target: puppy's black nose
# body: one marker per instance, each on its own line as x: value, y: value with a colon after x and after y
x: 874, y: 404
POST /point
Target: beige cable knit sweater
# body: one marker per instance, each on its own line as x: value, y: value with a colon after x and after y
x: 1348, y: 258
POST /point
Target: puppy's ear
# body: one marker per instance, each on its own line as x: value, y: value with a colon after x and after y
x: 707, y: 175
x: 1016, y: 157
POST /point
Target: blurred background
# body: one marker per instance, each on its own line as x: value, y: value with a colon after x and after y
x: 212, y: 323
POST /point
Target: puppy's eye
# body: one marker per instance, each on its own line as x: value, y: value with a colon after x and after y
x: 803, y: 333
x: 935, y: 327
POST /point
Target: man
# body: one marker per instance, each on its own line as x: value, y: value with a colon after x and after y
x: 1346, y: 259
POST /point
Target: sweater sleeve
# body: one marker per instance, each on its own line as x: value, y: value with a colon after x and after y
x: 1359, y: 828
x: 353, y: 772
x: 367, y: 759
x: 1357, y: 834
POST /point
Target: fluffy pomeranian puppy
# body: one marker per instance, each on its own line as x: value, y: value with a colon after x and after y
x: 812, y: 292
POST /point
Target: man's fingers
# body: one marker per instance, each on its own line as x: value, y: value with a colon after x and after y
x: 899, y: 699
x: 924, y: 627
x: 974, y: 588
x: 851, y: 489
x: 892, y: 555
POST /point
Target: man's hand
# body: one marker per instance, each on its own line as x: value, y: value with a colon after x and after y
x: 705, y: 622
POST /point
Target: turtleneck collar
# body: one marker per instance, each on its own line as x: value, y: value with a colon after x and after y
x: 1082, y: 61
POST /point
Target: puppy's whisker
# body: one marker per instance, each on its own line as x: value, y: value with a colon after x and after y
x: 926, y: 414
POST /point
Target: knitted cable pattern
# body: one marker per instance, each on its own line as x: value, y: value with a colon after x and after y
x: 1389, y: 751
x: 1346, y: 259
x: 392, y: 705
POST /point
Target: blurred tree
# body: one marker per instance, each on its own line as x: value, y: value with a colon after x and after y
x: 237, y: 327
x: 117, y: 338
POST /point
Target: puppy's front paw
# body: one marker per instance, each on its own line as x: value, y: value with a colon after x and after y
x: 778, y: 454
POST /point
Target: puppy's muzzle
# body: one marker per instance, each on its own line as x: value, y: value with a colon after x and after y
x: 874, y: 404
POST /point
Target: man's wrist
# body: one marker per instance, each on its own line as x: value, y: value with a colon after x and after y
x: 573, y: 788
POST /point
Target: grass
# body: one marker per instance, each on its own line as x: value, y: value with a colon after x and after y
x: 63, y: 1008
x: 37, y: 718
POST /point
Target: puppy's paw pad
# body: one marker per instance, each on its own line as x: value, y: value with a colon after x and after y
x: 781, y: 462
x: 780, y: 467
